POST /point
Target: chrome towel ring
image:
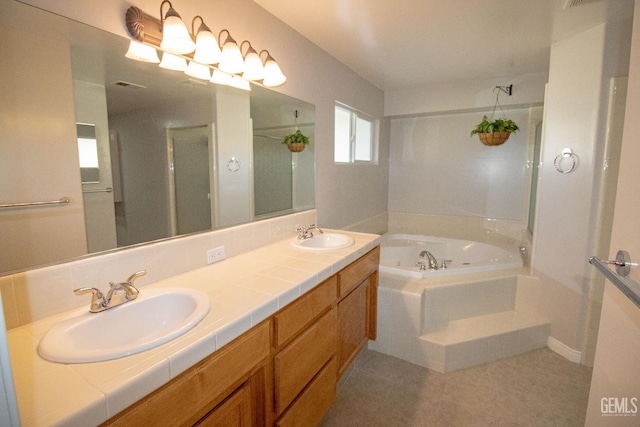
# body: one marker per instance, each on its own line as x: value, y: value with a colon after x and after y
x: 233, y: 165
x: 567, y: 161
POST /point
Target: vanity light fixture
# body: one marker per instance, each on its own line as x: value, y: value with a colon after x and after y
x: 253, y: 68
x: 142, y: 52
x: 230, y: 66
x: 207, y: 49
x: 232, y: 61
x: 273, y: 75
x: 173, y: 62
x: 198, y: 71
x: 175, y: 36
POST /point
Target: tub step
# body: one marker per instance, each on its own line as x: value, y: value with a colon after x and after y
x: 476, y: 340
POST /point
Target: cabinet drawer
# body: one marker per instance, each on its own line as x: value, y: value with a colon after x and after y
x: 193, y: 393
x: 315, y: 401
x: 298, y: 314
x: 301, y: 360
x: 352, y: 275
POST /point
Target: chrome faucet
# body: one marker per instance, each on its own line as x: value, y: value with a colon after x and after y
x: 119, y: 293
x: 306, y: 232
x: 433, y: 263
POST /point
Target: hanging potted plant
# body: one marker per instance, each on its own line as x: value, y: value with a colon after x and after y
x: 296, y: 141
x: 495, y: 132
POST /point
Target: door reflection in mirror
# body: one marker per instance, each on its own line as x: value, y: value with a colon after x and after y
x: 189, y: 166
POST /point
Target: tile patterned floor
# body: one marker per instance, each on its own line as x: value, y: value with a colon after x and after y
x: 539, y: 388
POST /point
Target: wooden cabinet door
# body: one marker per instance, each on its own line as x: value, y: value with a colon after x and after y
x: 353, y: 323
x: 233, y: 412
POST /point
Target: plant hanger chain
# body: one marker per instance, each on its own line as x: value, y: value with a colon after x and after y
x: 506, y: 89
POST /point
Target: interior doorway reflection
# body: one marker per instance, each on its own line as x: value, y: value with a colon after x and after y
x: 189, y: 172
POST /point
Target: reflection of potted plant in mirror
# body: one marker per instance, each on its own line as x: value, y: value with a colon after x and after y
x: 296, y: 141
x: 495, y: 132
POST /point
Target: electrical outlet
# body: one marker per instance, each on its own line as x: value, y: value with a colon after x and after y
x: 215, y: 255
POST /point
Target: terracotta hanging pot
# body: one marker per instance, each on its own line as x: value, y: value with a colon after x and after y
x: 494, y: 138
x: 296, y: 141
x: 296, y: 147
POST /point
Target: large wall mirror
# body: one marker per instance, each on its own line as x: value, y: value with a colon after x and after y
x: 170, y: 155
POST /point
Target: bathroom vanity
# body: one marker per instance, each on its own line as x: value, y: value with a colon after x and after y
x: 277, y: 362
x: 283, y: 371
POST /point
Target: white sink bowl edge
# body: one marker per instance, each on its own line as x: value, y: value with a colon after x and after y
x: 156, y: 317
x: 323, y: 242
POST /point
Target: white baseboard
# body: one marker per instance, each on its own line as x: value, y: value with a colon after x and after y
x: 564, y: 350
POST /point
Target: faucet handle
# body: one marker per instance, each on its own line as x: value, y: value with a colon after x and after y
x: 315, y: 227
x: 302, y: 232
x: 135, y: 275
x: 98, y: 302
x: 130, y: 291
x: 81, y: 291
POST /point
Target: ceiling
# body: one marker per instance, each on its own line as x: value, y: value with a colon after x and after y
x: 416, y: 43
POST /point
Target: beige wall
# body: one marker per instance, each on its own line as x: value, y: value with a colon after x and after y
x: 616, y: 370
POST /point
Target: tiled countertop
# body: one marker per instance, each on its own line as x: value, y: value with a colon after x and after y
x: 244, y: 290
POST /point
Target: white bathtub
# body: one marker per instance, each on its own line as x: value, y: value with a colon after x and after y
x: 401, y: 252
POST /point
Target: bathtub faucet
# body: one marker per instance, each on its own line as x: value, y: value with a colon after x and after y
x: 433, y: 263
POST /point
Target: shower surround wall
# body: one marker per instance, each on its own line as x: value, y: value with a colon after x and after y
x: 437, y: 168
x: 444, y: 182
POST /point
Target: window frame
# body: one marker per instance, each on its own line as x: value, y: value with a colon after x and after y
x: 373, y: 146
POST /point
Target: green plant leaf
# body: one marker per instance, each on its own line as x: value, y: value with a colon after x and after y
x: 296, y: 137
x: 498, y: 125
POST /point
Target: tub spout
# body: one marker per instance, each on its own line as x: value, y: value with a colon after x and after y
x: 433, y: 263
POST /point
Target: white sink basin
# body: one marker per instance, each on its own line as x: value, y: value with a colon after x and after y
x: 324, y: 242
x: 155, y: 317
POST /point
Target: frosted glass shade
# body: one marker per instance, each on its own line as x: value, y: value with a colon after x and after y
x: 173, y: 62
x: 198, y: 71
x: 207, y: 49
x: 239, y: 83
x: 232, y: 61
x: 142, y: 52
x: 272, y: 74
x: 220, y: 78
x: 253, y: 68
x: 175, y: 36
